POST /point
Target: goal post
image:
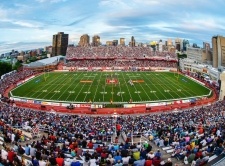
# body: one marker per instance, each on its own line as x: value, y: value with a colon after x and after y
x: 46, y: 72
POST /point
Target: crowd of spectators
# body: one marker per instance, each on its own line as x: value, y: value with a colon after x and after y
x: 194, y: 134
x: 121, y: 63
x: 115, y: 52
x: 13, y: 78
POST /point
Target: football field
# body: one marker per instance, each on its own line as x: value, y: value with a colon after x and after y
x: 106, y: 87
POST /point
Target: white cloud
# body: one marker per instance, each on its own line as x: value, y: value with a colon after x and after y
x: 51, y: 1
x: 115, y: 4
x: 25, y: 24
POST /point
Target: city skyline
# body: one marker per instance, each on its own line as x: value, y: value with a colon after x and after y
x: 31, y: 24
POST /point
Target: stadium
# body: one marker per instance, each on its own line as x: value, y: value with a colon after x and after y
x: 120, y: 96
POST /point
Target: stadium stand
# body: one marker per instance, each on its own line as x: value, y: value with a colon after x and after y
x: 31, y: 137
x: 115, y: 52
x: 122, y: 63
x: 195, y: 135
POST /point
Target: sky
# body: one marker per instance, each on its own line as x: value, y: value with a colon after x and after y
x: 28, y: 24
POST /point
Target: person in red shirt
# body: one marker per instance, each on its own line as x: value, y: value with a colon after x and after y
x: 104, y: 155
x: 156, y: 161
x: 11, y: 155
x: 90, y: 145
x: 148, y: 162
x: 99, y: 149
x: 60, y: 161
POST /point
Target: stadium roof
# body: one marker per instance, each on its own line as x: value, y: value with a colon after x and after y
x: 45, y: 62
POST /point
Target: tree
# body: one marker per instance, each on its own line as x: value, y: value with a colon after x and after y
x: 181, y: 56
x: 5, y: 68
x: 17, y: 65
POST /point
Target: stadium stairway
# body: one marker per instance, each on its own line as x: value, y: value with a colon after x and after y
x: 216, y: 160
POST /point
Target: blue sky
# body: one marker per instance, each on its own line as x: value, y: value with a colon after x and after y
x: 31, y: 23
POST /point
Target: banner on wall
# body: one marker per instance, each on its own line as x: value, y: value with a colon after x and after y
x: 185, y: 101
x: 23, y: 100
x: 37, y: 102
x: 56, y: 104
x: 152, y: 104
x: 85, y: 105
x: 45, y: 103
x: 140, y: 105
x: 30, y: 101
x: 169, y: 103
x: 178, y: 102
x: 128, y: 105
x: 76, y: 105
x: 96, y: 106
x: 65, y: 104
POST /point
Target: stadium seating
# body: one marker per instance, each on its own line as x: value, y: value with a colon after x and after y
x: 115, y: 52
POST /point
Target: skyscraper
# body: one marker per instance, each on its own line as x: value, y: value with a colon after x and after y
x: 96, y: 41
x: 59, y: 44
x: 84, y: 40
x: 122, y: 41
x: 115, y: 42
x: 185, y: 44
x: 132, y: 42
x: 178, y: 43
x: 218, y: 45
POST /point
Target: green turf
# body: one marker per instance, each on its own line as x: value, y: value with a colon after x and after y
x: 66, y: 86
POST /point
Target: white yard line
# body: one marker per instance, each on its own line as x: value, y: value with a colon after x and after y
x: 144, y: 74
x: 104, y: 91
x: 126, y: 85
x: 71, y: 84
x: 61, y: 87
x: 80, y: 89
x: 52, y: 90
x: 45, y: 86
x: 172, y: 82
x: 120, y: 90
x: 143, y: 89
x: 89, y: 86
x: 135, y: 89
x: 97, y: 87
x: 165, y: 87
x: 156, y: 86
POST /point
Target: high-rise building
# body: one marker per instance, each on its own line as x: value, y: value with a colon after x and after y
x: 59, y: 44
x: 207, y: 53
x: 132, y: 42
x: 178, y: 44
x: 160, y: 46
x: 218, y: 45
x: 96, y: 41
x: 109, y: 43
x: 115, y: 42
x: 84, y: 40
x: 169, y: 44
x: 185, y: 44
x: 122, y: 41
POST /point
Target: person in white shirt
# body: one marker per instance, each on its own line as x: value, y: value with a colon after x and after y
x: 42, y: 162
x: 67, y: 162
x: 92, y: 162
x: 150, y: 155
x: 203, y: 142
x: 218, y: 132
x: 125, y: 160
x: 12, y: 137
x: 111, y: 159
x: 4, y: 154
